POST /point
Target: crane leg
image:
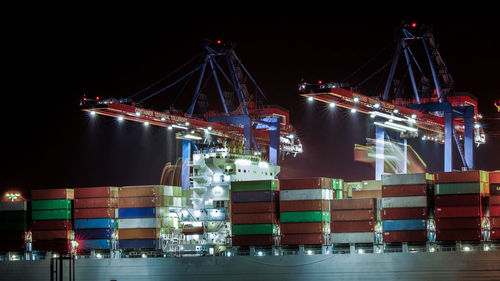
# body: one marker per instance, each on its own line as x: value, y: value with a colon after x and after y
x: 379, y: 152
x: 469, y: 137
x: 448, y: 141
x: 186, y: 157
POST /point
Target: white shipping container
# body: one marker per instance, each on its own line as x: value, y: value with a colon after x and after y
x: 404, y: 202
x: 403, y: 179
x: 353, y: 237
x: 306, y: 194
x: 137, y: 223
x: 13, y: 206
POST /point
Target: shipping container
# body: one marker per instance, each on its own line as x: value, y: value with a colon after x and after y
x: 44, y: 194
x: 56, y: 245
x: 51, y: 214
x: 137, y: 223
x: 255, y: 185
x: 50, y: 234
x: 253, y: 240
x: 306, y: 194
x: 352, y: 226
x: 137, y: 191
x: 13, y: 206
x: 305, y: 227
x: 495, y: 210
x: 402, y: 179
x: 169, y: 190
x: 404, y: 225
x: 168, y: 201
x: 90, y: 203
x: 458, y: 212
x: 371, y: 185
x: 254, y: 207
x: 366, y: 194
x: 338, y: 184
x: 51, y: 225
x: 404, y: 213
x: 404, y: 202
x: 254, y: 218
x: 254, y: 196
x: 404, y: 236
x: 96, y: 213
x: 458, y: 223
x: 495, y: 200
x: 458, y: 235
x: 306, y: 183
x: 96, y: 192
x: 137, y: 202
x: 137, y: 244
x: 304, y: 205
x: 462, y: 188
x: 98, y: 233
x: 495, y: 188
x: 494, y: 177
x: 353, y: 237
x: 353, y: 204
x: 461, y: 177
x: 404, y: 190
x: 457, y: 200
x: 353, y: 215
x: 255, y: 229
x: 125, y: 213
x: 495, y: 234
x: 495, y: 222
x: 95, y: 223
x: 137, y: 233
x: 96, y: 244
x: 309, y: 216
x: 303, y: 239
x: 53, y: 204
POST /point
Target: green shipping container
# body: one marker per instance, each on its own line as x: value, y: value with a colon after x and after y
x: 13, y: 216
x: 259, y: 185
x: 254, y: 229
x: 310, y: 216
x: 54, y: 204
x: 338, y: 184
x: 188, y: 193
x: 51, y: 214
x: 461, y: 188
x: 14, y: 226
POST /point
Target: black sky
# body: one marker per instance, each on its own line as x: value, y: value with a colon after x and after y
x: 54, y: 57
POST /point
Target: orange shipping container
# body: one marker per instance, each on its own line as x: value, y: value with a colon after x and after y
x: 96, y: 203
x: 50, y: 234
x: 137, y: 233
x: 136, y: 202
x: 354, y: 204
x: 137, y: 191
x: 47, y: 194
x: 303, y: 239
x: 306, y: 183
x: 96, y: 213
x: 305, y: 227
x: 359, y: 194
x: 353, y: 215
x: 304, y: 205
x: 254, y: 218
x: 495, y: 177
x: 96, y: 192
x: 463, y: 176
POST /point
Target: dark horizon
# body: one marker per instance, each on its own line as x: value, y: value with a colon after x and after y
x: 51, y: 143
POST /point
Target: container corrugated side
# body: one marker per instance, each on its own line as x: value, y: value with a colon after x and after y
x: 458, y: 223
x: 270, y: 218
x: 95, y: 223
x: 353, y: 215
x: 306, y: 183
x: 308, y: 216
x: 137, y: 223
x: 404, y: 202
x: 96, y: 192
x: 95, y: 213
x: 253, y: 207
x: 89, y: 203
x: 137, y: 191
x: 51, y: 225
x: 254, y: 196
x: 50, y: 234
x: 404, y: 190
x: 494, y: 177
x: 353, y: 237
x: 404, y: 225
x: 461, y: 176
x: 98, y: 233
x: 45, y: 194
x: 137, y: 202
x: 53, y: 204
x: 457, y: 200
x: 458, y: 235
x: 169, y: 190
x: 304, y: 205
x: 462, y: 188
x: 95, y: 244
x: 137, y: 243
x: 402, y: 179
x: 255, y: 185
x: 303, y: 239
x: 51, y: 214
x: 458, y: 212
x: 404, y: 213
x: 13, y: 206
x: 404, y: 236
x: 137, y: 233
x: 366, y: 194
x: 306, y: 194
x: 253, y: 240
x: 353, y: 204
x: 352, y: 226
x: 305, y: 227
x: 125, y: 213
x: 254, y: 229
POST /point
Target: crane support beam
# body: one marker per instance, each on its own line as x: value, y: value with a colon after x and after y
x: 448, y: 139
x: 392, y: 71
x: 379, y: 152
x: 410, y: 70
x: 469, y: 136
x: 186, y: 157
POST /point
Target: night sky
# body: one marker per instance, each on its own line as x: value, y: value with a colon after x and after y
x: 54, y: 58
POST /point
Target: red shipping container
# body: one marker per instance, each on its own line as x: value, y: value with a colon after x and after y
x: 494, y: 199
x: 495, y: 234
x: 458, y: 235
x: 303, y: 239
x: 462, y: 176
x: 304, y: 205
x: 46, y: 194
x: 137, y: 233
x: 404, y: 213
x: 305, y: 227
x: 354, y: 204
x: 352, y: 226
x: 253, y: 240
x: 50, y: 234
x: 353, y: 215
x: 96, y: 213
x: 495, y: 222
x: 495, y: 177
x: 136, y: 202
x: 458, y: 212
x: 495, y: 211
x: 51, y: 225
x: 366, y: 194
x: 254, y: 207
x: 495, y: 189
x: 254, y: 218
x: 136, y: 191
x: 59, y: 245
x: 89, y: 203
x: 306, y: 183
x: 96, y: 192
x: 458, y: 223
x: 405, y: 190
x: 404, y: 236
x: 457, y: 200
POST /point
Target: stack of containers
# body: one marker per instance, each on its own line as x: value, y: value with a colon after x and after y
x: 169, y: 198
x: 95, y: 222
x: 353, y: 220
x: 495, y: 205
x: 51, y: 219
x: 254, y: 212
x: 305, y: 211
x: 14, y: 218
x: 459, y: 206
x: 338, y: 188
x: 404, y: 208
x: 137, y: 217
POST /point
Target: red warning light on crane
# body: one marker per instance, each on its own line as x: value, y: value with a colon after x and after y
x: 218, y: 41
x: 96, y: 98
x: 320, y: 82
x: 413, y: 24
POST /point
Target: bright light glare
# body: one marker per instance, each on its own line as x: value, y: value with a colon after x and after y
x: 243, y: 162
x: 377, y: 105
x: 353, y: 110
x: 477, y: 125
x: 413, y: 116
x: 228, y: 254
x: 396, y: 110
x: 466, y: 249
x: 120, y: 118
x: 163, y: 119
x: 146, y: 123
x: 209, y: 128
x: 169, y: 127
x: 356, y: 99
x: 98, y: 256
x: 260, y: 253
x: 310, y: 98
x: 361, y: 251
x: 92, y: 113
x: 309, y: 252
x: 197, y: 213
x: 137, y: 114
x: 187, y: 123
x: 263, y: 165
x: 332, y: 105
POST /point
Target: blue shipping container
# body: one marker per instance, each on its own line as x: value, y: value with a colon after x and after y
x: 137, y: 244
x: 125, y: 213
x: 97, y: 244
x: 90, y: 234
x: 402, y: 225
x: 253, y: 196
x: 94, y: 223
